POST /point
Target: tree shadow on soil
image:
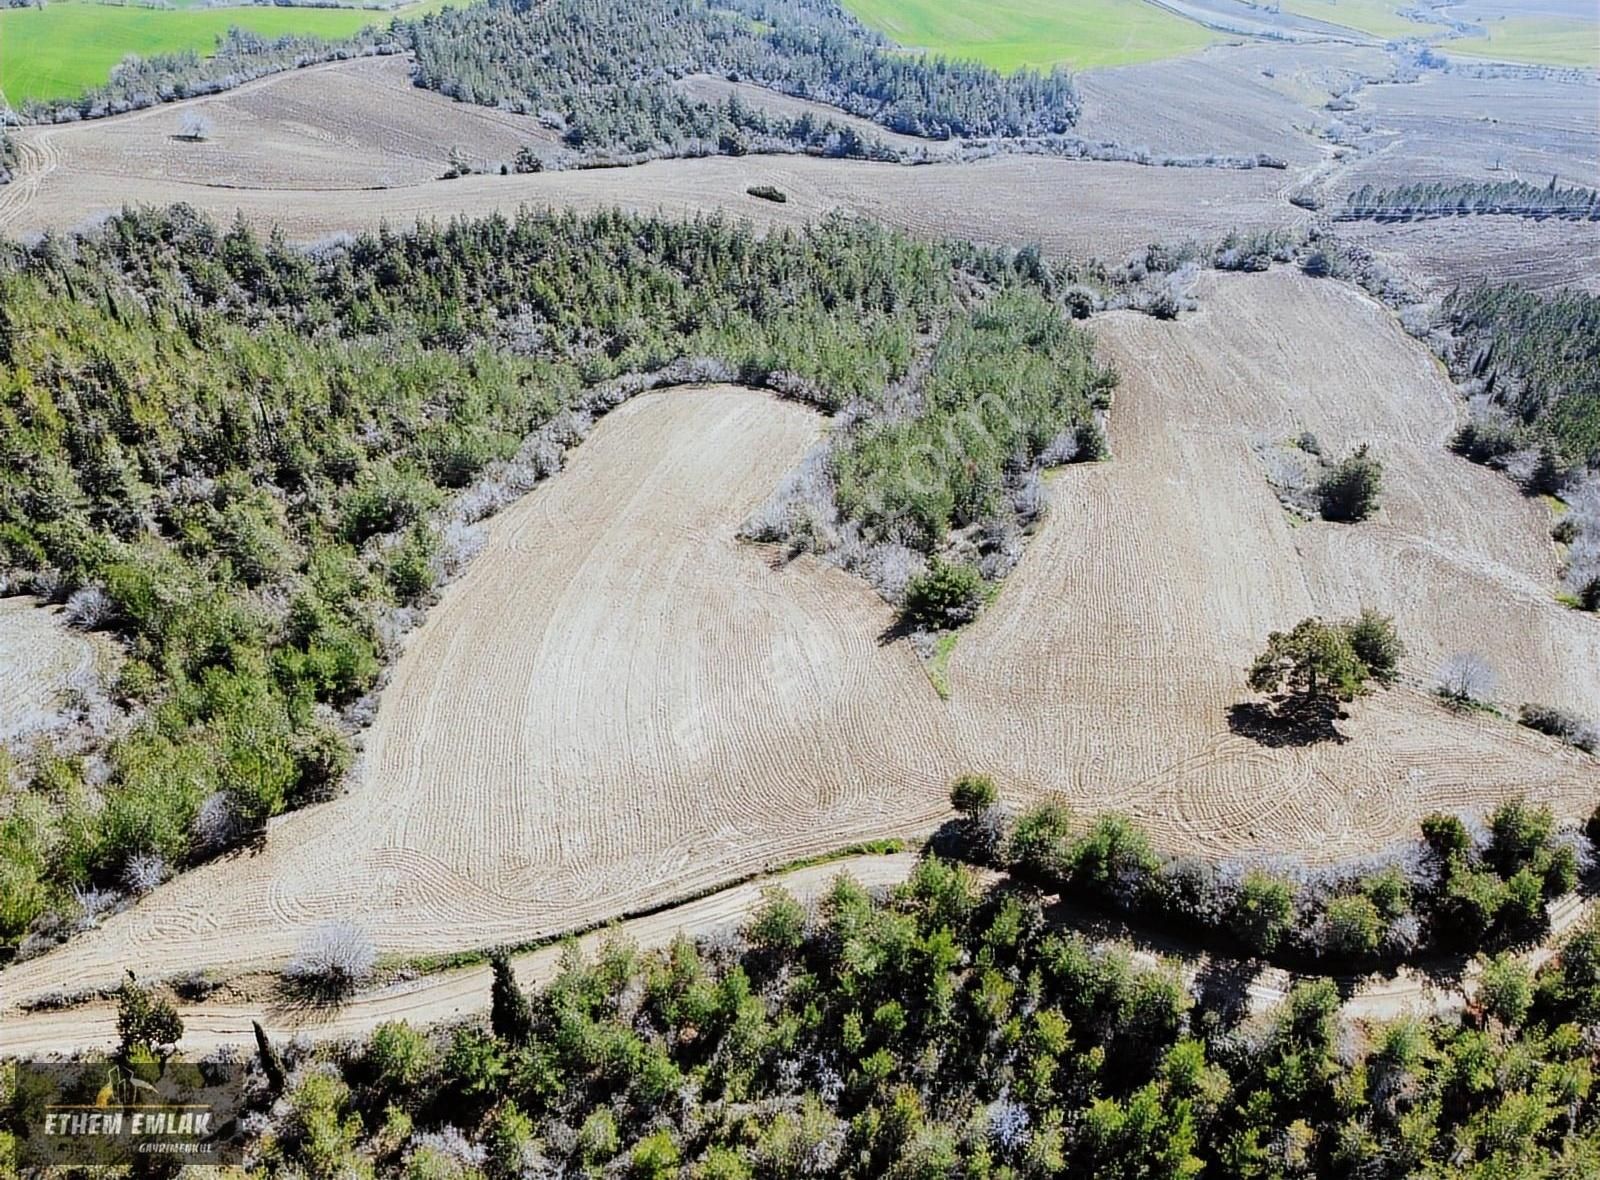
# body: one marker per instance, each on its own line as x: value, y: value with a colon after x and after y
x: 1287, y: 721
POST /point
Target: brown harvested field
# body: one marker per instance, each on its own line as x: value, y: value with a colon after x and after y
x: 41, y: 661
x: 1453, y: 126
x: 618, y: 704
x: 1081, y: 208
x: 350, y: 125
x: 1257, y: 99
x: 1442, y: 253
x: 315, y: 171
x: 1114, y: 651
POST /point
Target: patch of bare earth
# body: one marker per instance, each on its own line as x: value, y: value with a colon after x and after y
x: 41, y: 662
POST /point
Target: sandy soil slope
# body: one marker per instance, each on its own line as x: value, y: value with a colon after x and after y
x: 618, y: 704
x: 40, y: 662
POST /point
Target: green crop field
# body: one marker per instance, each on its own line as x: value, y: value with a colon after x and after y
x: 1010, y: 34
x: 1538, y: 40
x: 1381, y: 18
x: 69, y: 45
x: 1548, y: 41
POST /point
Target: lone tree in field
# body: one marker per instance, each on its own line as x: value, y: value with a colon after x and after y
x: 1349, y: 491
x: 1311, y: 669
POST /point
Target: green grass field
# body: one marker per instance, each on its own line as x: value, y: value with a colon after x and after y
x: 1010, y: 34
x: 1548, y: 42
x: 1381, y: 18
x: 1536, y: 40
x: 69, y: 45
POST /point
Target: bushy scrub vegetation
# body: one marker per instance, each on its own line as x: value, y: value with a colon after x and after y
x: 1439, y: 199
x: 602, y: 72
x: 1456, y: 890
x: 254, y: 465
x: 929, y: 498
x: 1348, y: 490
x: 8, y: 156
x: 944, y: 1031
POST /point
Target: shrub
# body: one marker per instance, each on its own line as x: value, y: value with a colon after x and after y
x: 1377, y: 644
x: 1466, y: 678
x: 1505, y: 989
x: 146, y: 1024
x: 947, y: 595
x: 767, y: 193
x: 399, y: 1058
x: 1262, y: 912
x: 1041, y: 844
x: 1349, y: 491
x: 331, y: 962
x: 1352, y: 927
x: 509, y: 1013
x: 1114, y: 859
x: 1562, y: 723
x: 1519, y: 836
x: 778, y: 925
x: 973, y: 794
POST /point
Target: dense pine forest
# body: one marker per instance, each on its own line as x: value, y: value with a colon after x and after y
x: 602, y: 72
x: 253, y: 465
x: 1537, y: 356
x: 602, y: 75
x: 1516, y: 197
x: 951, y: 1029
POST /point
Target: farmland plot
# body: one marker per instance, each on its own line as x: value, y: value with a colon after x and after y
x: 619, y: 704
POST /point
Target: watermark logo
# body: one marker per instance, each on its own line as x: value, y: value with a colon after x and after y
x: 110, y: 1112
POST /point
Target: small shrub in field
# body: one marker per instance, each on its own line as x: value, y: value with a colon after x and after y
x: 767, y: 192
x: 973, y: 794
x: 1377, y: 644
x: 1562, y: 723
x: 947, y: 595
x: 1352, y: 927
x: 333, y: 960
x: 1349, y: 491
x: 1466, y: 678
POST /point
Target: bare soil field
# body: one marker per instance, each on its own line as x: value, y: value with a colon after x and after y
x: 1452, y: 126
x: 347, y: 125
x: 41, y: 660
x: 1110, y: 660
x: 1442, y: 253
x: 71, y: 176
x: 1257, y: 99
x: 618, y: 704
